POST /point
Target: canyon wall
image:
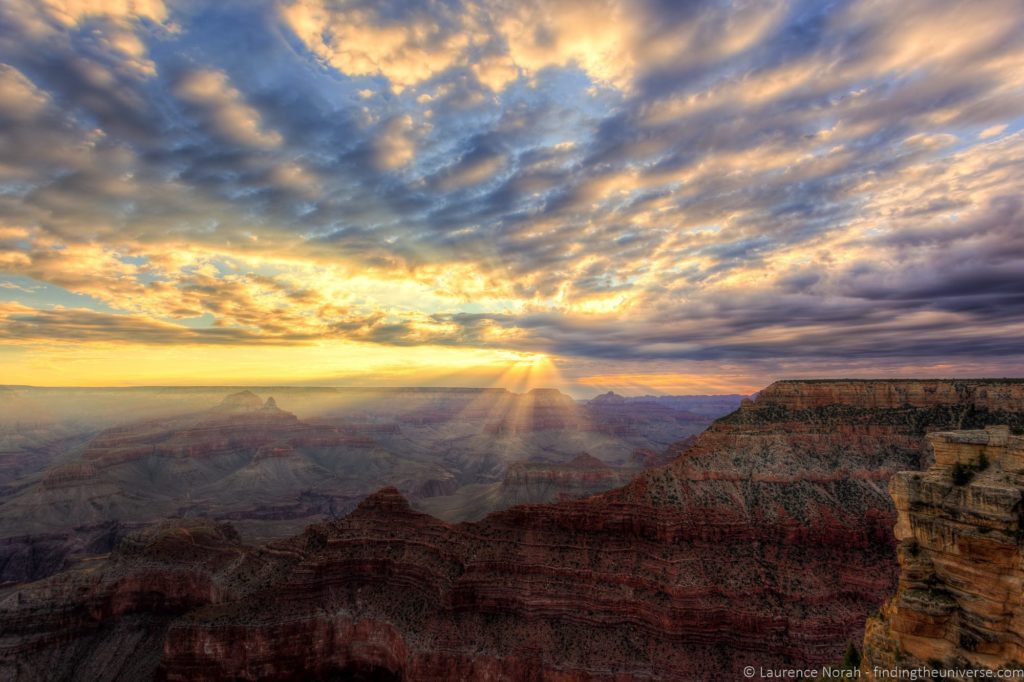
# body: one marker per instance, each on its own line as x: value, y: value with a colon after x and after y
x: 767, y: 541
x: 959, y: 527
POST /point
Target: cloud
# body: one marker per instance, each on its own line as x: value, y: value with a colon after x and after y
x: 115, y: 26
x: 992, y: 131
x: 473, y: 169
x: 615, y: 43
x: 395, y: 145
x: 361, y: 39
x: 627, y: 184
x: 225, y: 109
x: 495, y: 71
x: 71, y: 12
x: 21, y: 324
x: 596, y: 37
x: 20, y: 100
x: 929, y: 34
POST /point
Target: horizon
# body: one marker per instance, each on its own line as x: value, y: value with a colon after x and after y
x: 576, y: 395
x: 654, y: 198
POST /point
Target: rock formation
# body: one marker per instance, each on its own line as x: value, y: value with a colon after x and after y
x: 959, y: 527
x: 532, y: 481
x: 247, y: 460
x: 767, y: 541
x: 243, y: 401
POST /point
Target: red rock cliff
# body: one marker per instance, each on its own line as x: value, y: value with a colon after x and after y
x: 959, y: 524
x: 766, y: 542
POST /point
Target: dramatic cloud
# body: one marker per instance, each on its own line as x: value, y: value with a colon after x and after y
x: 639, y: 190
x: 224, y: 108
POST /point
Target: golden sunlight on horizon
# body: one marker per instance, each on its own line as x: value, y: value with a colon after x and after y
x: 670, y: 383
x: 319, y: 364
x: 536, y: 371
x: 332, y: 364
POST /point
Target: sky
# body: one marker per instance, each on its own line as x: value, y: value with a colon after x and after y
x: 648, y: 196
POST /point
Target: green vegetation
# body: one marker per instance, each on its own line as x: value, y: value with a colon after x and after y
x: 851, y: 659
x: 962, y: 473
x: 847, y: 668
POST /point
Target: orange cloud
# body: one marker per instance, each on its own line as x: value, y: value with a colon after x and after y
x: 227, y: 110
x: 20, y: 100
x: 360, y: 42
x: 396, y: 144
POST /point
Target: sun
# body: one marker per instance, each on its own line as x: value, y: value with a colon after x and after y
x: 529, y: 371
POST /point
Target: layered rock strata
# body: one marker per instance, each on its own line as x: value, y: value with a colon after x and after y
x: 960, y: 599
x: 765, y: 542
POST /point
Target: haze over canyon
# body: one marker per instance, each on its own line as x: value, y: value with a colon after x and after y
x: 242, y: 542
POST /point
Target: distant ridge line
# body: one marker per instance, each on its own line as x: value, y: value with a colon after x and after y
x: 976, y: 380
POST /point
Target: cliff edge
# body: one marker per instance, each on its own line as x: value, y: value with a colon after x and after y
x: 959, y: 527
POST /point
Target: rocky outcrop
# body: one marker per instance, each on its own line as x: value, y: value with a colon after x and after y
x: 69, y: 475
x: 242, y: 422
x: 988, y: 395
x: 240, y: 459
x: 110, y: 624
x: 959, y: 527
x: 533, y: 481
x: 28, y: 447
x: 544, y: 480
x: 243, y: 401
x: 24, y: 558
x: 611, y: 413
x: 436, y: 487
x: 766, y: 542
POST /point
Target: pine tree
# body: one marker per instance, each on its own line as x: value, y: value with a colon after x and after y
x: 851, y: 659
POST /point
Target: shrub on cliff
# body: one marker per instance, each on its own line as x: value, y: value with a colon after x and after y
x: 962, y: 474
x: 851, y: 659
x: 845, y: 670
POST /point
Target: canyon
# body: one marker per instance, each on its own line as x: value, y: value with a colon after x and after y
x: 959, y: 527
x: 766, y: 540
x: 75, y: 478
